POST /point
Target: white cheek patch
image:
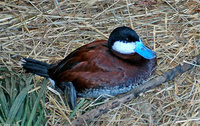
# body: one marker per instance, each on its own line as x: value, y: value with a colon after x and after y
x: 123, y: 47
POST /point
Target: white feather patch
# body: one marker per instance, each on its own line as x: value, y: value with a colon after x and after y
x: 123, y: 47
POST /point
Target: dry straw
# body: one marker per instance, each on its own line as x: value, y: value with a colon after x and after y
x: 50, y: 30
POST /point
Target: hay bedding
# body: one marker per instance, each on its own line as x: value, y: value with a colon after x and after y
x: 50, y: 30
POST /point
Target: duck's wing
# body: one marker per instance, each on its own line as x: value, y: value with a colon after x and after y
x: 82, y: 55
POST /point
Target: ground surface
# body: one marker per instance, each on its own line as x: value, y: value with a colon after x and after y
x: 50, y: 30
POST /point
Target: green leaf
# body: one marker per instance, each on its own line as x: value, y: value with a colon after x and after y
x: 1, y: 120
x: 16, y: 104
x: 4, y: 105
x: 41, y: 93
x: 20, y: 112
x: 77, y: 108
x: 25, y: 112
x: 7, y: 86
x: 37, y: 123
x: 2, y: 69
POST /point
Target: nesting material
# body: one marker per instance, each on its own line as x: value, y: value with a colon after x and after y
x: 49, y: 30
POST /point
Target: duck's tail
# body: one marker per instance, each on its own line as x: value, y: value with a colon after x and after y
x: 36, y: 67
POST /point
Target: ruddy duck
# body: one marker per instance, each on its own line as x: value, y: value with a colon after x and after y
x: 102, y: 67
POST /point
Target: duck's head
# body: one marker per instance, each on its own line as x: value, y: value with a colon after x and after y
x: 124, y: 42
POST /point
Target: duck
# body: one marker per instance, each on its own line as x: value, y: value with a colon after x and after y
x: 102, y: 67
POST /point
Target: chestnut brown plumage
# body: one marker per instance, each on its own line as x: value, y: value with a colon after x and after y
x: 101, y: 67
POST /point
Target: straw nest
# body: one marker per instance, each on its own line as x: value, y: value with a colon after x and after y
x: 49, y: 30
